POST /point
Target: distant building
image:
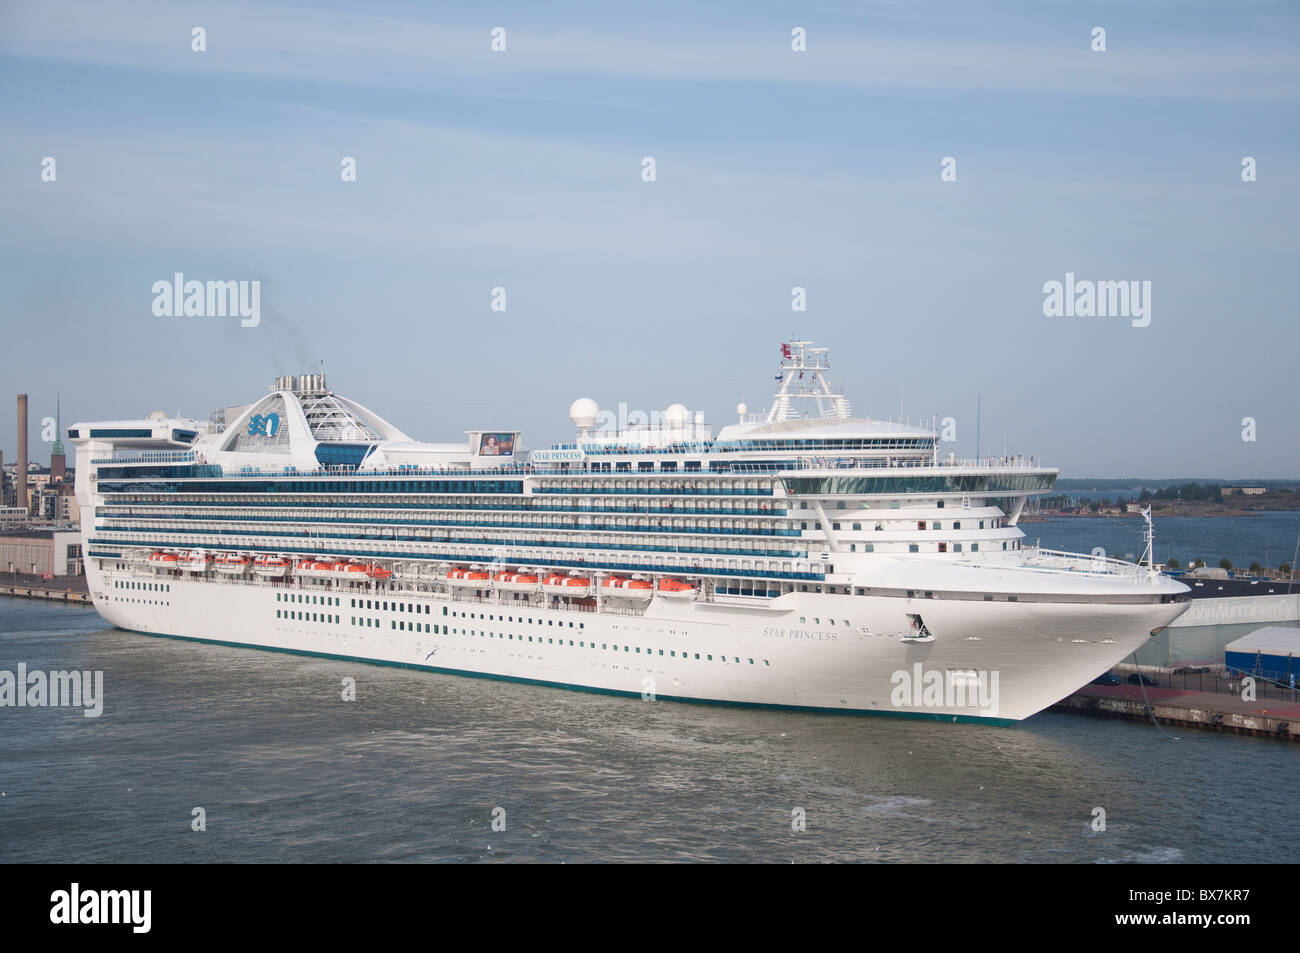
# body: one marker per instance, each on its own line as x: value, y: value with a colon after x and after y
x: 1270, y: 652
x: 53, y: 504
x: 41, y: 552
x: 1245, y: 490
x: 13, y: 517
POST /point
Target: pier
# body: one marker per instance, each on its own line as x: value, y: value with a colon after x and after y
x: 1276, y: 717
x: 59, y: 589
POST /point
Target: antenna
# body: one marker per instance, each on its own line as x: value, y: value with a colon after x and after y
x: 979, y: 409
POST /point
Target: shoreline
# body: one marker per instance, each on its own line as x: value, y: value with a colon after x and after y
x: 1211, y: 511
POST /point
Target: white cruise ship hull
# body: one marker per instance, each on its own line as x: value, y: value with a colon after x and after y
x: 1030, y: 655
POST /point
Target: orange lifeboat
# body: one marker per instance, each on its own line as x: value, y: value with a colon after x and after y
x: 314, y: 569
x: 576, y: 587
x: 671, y: 588
x: 164, y: 560
x: 469, y: 579
x: 619, y: 587
x: 379, y: 572
x: 346, y: 570
x: 517, y: 582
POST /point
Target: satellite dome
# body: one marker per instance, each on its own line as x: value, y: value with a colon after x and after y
x: 741, y: 409
x: 583, y: 412
x: 677, y: 415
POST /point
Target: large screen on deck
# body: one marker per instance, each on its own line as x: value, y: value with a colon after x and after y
x: 496, y: 444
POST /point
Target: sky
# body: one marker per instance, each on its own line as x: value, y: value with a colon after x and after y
x: 775, y: 169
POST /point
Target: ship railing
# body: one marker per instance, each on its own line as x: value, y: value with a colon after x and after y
x: 471, y: 596
x: 1056, y: 560
x: 831, y: 462
x: 371, y: 588
x: 402, y: 470
x: 147, y: 456
x: 716, y: 468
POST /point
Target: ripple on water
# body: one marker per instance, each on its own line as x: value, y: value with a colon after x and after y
x: 415, y: 768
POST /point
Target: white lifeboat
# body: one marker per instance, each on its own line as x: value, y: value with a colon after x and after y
x: 270, y: 566
x: 196, y: 560
x: 230, y: 563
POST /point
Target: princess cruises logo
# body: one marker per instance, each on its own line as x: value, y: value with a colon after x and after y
x: 263, y: 425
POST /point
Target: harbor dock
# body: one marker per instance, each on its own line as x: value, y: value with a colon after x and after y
x: 31, y: 586
x: 1273, y: 717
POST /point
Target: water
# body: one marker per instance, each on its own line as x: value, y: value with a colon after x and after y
x: 413, y: 769
x: 1268, y: 538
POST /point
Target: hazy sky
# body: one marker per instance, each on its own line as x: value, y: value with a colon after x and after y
x: 522, y: 169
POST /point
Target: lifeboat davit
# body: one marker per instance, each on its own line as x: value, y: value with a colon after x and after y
x: 469, y: 579
x: 576, y: 587
x: 517, y: 582
x: 270, y: 566
x: 231, y: 563
x: 619, y: 587
x: 671, y: 588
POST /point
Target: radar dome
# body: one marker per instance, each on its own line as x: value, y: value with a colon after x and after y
x: 583, y: 412
x: 741, y: 409
x: 677, y: 415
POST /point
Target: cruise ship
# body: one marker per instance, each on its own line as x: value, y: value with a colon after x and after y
x: 800, y: 558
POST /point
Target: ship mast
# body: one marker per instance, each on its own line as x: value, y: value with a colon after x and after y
x: 1151, y: 543
x: 803, y: 377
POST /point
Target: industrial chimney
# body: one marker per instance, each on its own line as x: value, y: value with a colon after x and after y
x: 58, y: 458
x: 20, y: 474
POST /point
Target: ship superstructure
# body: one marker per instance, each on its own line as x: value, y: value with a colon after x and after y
x: 800, y: 557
